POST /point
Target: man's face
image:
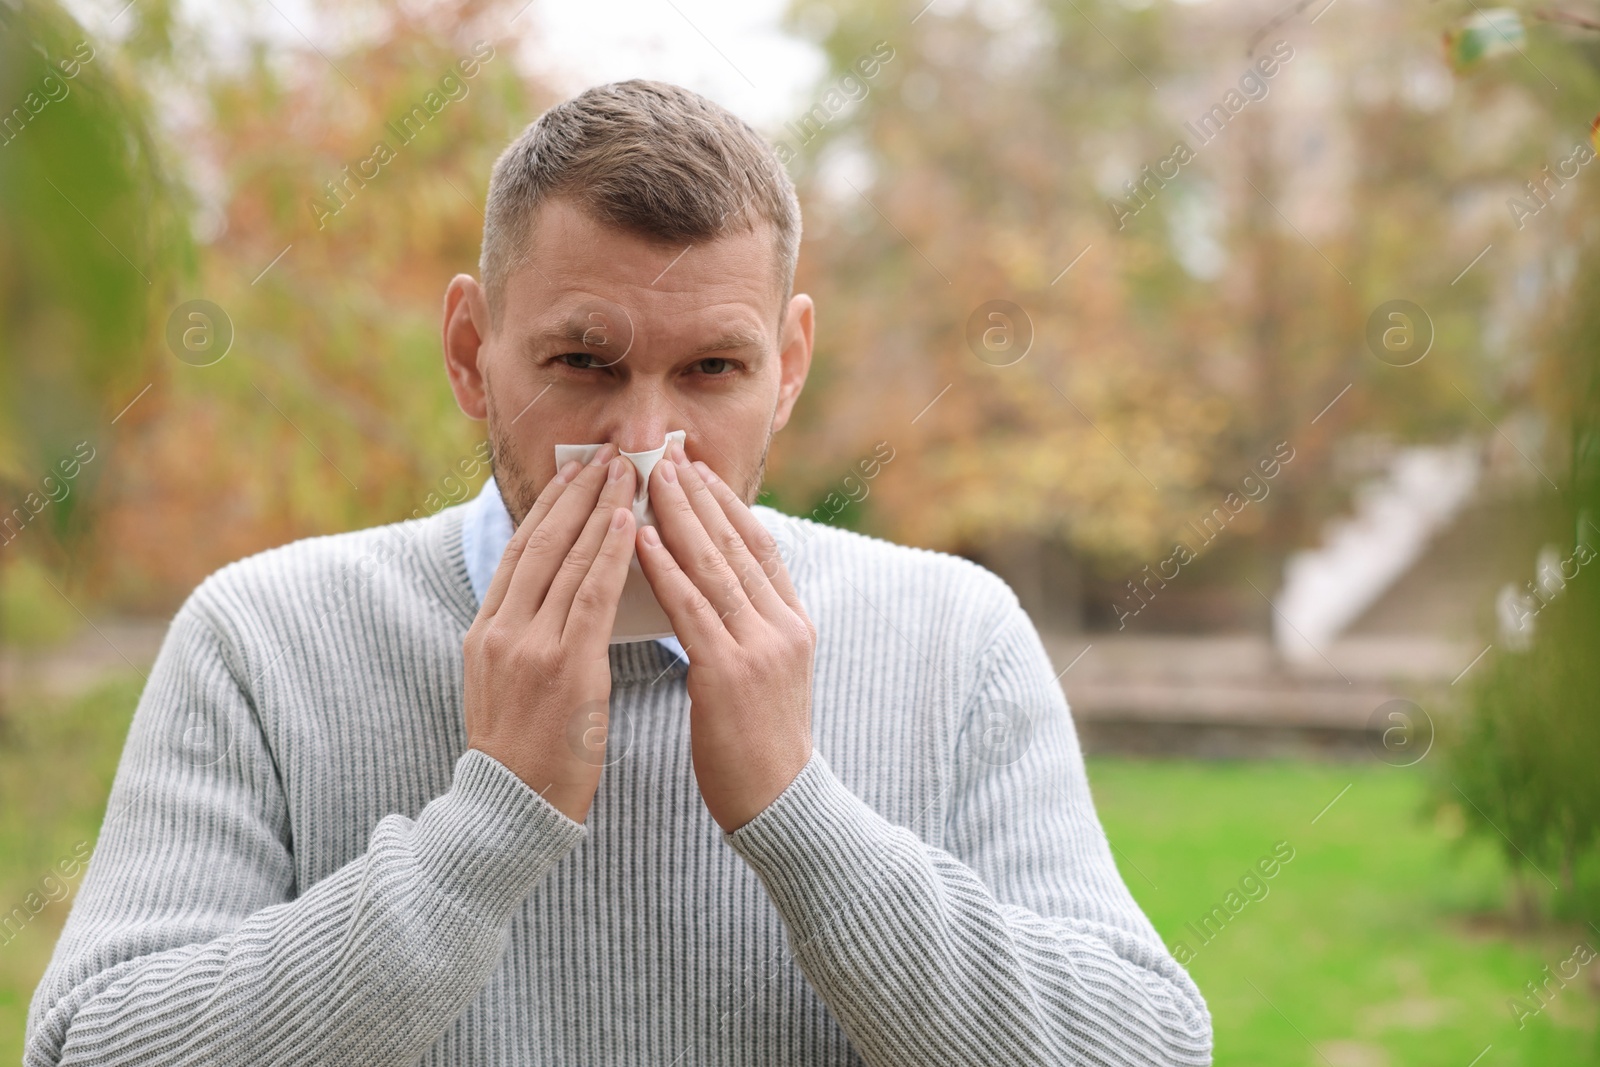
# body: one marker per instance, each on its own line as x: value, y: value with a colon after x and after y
x: 610, y: 337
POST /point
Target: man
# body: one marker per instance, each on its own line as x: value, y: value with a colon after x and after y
x: 450, y: 821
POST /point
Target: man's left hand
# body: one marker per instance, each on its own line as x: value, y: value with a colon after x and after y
x: 717, y: 573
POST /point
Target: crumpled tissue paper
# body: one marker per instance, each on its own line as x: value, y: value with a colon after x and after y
x: 639, y: 615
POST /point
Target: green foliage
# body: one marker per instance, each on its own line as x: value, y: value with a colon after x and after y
x: 329, y: 256
x: 1524, y: 760
x: 93, y: 236
x: 1524, y: 756
x: 1483, y: 36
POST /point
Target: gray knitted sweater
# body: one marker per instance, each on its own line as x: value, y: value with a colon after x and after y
x: 302, y: 862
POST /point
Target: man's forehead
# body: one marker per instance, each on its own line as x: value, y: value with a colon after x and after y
x: 586, y: 320
x: 578, y: 268
x: 584, y: 317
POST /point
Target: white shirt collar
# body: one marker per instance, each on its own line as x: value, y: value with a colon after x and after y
x: 485, y: 532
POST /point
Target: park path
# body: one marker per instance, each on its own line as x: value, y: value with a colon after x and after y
x: 1227, y: 694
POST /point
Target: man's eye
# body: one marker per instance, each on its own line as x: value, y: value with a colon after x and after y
x: 715, y: 365
x: 590, y: 361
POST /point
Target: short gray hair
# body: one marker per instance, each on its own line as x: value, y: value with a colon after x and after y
x: 648, y: 157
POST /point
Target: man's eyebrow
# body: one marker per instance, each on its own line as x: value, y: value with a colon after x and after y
x: 577, y: 332
x: 729, y: 342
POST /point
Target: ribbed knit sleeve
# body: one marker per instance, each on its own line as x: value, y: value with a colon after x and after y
x: 1019, y: 944
x: 190, y: 943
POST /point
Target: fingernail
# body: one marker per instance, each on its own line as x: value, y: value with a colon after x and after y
x: 668, y: 472
x: 614, y: 472
x: 649, y: 536
x: 600, y: 456
x: 706, y: 472
x: 679, y: 455
x: 619, y: 518
x: 568, y: 470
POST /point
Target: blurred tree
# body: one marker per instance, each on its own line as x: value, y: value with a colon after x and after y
x: 1211, y: 315
x: 1519, y: 761
x: 92, y: 240
x: 965, y: 176
x: 340, y: 188
x: 1168, y: 355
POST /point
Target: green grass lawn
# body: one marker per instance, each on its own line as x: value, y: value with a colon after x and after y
x: 56, y: 766
x: 1380, y: 942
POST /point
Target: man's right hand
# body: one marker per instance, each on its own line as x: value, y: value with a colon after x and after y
x: 537, y: 664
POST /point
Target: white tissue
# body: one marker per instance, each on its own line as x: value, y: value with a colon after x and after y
x: 639, y: 615
x: 643, y: 462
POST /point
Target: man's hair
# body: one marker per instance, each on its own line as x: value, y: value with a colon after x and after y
x: 651, y: 158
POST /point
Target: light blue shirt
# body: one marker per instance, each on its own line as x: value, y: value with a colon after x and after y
x: 485, y: 532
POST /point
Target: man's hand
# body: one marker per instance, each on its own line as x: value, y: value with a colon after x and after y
x: 721, y: 581
x: 538, y: 672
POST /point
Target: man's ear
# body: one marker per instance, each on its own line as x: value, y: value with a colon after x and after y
x: 466, y: 348
x: 794, y: 356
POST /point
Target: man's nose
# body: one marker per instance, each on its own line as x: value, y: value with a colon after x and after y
x: 644, y: 427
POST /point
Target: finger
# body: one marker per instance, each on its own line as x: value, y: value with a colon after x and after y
x: 752, y: 579
x: 694, y: 619
x: 617, y: 493
x: 758, y: 540
x: 693, y: 550
x: 550, y: 542
x: 519, y: 537
x: 594, y: 605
